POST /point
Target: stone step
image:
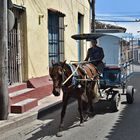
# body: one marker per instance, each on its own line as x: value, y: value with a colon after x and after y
x: 24, y: 105
x: 20, y: 95
x: 17, y: 87
x: 37, y: 88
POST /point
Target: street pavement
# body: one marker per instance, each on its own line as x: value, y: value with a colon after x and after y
x: 104, y: 125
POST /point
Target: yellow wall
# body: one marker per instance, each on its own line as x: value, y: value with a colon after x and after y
x: 37, y: 35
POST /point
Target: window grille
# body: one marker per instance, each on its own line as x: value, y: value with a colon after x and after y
x: 56, y: 36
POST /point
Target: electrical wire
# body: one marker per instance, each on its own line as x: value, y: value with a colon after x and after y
x: 118, y: 15
x: 118, y: 20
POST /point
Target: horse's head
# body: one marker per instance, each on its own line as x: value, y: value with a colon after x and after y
x: 57, y: 76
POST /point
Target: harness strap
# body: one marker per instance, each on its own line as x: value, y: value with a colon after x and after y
x: 73, y: 72
x: 73, y: 68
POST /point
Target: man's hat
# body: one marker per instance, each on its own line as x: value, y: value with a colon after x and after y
x: 94, y: 40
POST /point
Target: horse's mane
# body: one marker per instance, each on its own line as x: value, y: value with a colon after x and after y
x: 62, y: 64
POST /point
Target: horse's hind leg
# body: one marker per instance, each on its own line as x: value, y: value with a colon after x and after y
x: 90, y: 104
x: 90, y: 109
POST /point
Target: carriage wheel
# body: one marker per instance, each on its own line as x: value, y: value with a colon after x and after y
x: 130, y: 94
x: 116, y: 101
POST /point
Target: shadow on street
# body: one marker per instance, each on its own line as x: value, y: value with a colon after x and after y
x: 71, y: 119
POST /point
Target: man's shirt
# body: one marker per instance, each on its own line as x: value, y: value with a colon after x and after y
x: 95, y: 54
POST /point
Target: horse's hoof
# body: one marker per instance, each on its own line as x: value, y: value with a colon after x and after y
x: 59, y: 134
x: 86, y: 118
x: 81, y: 124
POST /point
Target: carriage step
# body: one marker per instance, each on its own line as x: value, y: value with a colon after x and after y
x: 24, y: 105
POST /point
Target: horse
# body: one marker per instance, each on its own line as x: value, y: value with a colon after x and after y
x: 78, y: 81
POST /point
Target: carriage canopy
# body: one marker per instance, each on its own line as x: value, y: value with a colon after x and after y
x: 91, y: 36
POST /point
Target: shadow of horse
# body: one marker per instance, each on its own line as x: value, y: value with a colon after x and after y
x: 50, y: 129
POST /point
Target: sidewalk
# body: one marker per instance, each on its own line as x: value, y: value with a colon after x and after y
x: 45, y: 106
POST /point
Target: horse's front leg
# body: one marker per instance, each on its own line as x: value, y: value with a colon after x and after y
x: 80, y: 109
x: 65, y: 102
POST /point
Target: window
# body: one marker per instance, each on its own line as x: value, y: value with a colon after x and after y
x: 80, y: 30
x: 56, y: 36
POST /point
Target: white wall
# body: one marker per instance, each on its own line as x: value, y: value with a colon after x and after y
x: 111, y: 47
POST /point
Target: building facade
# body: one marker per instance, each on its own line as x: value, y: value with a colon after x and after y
x: 42, y: 34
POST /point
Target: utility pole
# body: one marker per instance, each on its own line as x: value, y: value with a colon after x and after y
x: 93, y: 16
x: 4, y: 98
x: 92, y: 11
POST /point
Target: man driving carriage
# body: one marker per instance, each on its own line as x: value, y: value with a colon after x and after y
x: 95, y: 55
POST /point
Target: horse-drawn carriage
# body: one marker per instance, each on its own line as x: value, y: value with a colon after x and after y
x: 113, y: 81
x: 82, y: 81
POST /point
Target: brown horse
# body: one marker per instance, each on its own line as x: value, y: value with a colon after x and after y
x: 75, y: 81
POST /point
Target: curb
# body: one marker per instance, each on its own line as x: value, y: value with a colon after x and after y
x: 17, y: 122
